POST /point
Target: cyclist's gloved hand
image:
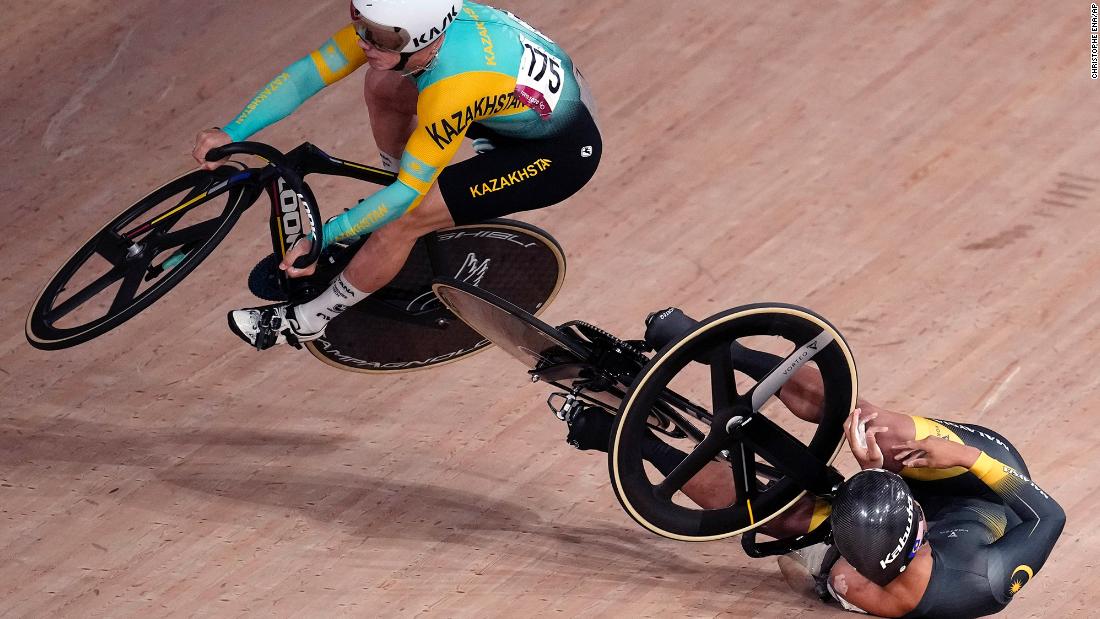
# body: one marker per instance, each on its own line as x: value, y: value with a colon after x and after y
x: 206, y: 140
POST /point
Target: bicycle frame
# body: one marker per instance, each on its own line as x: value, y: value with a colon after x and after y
x: 288, y: 204
x: 594, y: 367
x: 290, y: 196
x: 277, y: 178
x: 163, y: 236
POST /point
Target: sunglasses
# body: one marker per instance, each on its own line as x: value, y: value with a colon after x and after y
x: 385, y: 38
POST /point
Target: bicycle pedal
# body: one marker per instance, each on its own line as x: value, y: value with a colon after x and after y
x: 169, y: 263
x: 566, y: 409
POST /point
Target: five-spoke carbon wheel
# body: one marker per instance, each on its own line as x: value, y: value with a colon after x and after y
x: 756, y: 457
x: 131, y: 263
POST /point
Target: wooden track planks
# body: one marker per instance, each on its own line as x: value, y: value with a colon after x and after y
x: 922, y: 173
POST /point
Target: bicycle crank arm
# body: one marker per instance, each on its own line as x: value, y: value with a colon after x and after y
x: 170, y: 262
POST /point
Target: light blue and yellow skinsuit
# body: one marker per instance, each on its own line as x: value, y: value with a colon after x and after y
x: 472, y: 79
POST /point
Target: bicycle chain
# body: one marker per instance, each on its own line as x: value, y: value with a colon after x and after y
x: 622, y: 345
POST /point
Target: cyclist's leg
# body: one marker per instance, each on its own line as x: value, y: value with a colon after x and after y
x: 803, y: 395
x: 391, y: 102
x: 373, y: 266
x: 517, y: 175
x: 713, y: 488
x: 384, y: 253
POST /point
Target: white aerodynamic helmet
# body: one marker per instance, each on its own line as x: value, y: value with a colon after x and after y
x: 403, y: 25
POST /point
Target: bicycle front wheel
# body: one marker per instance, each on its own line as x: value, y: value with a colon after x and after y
x: 755, y: 458
x: 134, y: 260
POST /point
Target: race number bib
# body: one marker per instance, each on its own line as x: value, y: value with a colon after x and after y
x: 541, y: 78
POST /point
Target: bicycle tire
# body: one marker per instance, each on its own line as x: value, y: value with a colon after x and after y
x: 657, y: 513
x: 41, y: 329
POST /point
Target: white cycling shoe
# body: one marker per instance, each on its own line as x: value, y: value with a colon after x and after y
x: 270, y: 325
x: 807, y: 570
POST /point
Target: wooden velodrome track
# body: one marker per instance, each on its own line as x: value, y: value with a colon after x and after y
x: 925, y: 174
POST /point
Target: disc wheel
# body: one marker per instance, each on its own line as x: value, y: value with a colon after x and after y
x: 755, y: 459
x: 405, y: 327
x: 127, y: 266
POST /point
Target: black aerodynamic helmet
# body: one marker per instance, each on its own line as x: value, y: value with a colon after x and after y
x: 876, y: 524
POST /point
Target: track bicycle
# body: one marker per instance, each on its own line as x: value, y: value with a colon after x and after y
x: 148, y: 249
x: 657, y: 385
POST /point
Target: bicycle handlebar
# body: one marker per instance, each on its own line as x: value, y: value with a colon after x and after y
x: 266, y: 151
x: 293, y: 179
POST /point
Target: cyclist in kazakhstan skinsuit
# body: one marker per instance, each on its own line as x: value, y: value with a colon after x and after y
x: 479, y: 72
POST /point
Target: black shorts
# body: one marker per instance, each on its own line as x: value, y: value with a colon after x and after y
x: 521, y: 175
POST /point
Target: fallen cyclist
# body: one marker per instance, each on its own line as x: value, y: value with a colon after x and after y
x: 943, y: 520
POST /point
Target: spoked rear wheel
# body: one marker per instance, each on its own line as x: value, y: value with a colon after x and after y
x: 129, y: 264
x: 749, y: 458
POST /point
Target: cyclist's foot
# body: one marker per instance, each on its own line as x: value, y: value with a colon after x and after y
x: 270, y: 325
x: 590, y: 428
x: 807, y: 570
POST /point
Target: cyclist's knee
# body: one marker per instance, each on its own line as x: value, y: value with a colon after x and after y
x: 429, y: 216
x: 900, y: 428
x: 806, y: 514
x: 389, y: 91
x: 399, y: 232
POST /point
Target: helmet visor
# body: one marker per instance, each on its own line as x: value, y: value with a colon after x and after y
x: 378, y: 36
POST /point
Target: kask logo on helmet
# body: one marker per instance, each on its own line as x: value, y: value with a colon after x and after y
x: 435, y: 33
x: 404, y: 26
